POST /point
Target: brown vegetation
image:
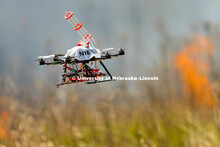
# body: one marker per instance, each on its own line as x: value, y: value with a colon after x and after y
x: 174, y: 111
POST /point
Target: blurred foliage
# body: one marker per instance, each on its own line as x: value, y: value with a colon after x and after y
x: 156, y: 113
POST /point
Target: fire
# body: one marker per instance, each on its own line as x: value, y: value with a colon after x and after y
x: 4, y: 119
x: 192, y: 62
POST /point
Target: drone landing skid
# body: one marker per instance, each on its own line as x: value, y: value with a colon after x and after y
x: 94, y: 82
x: 88, y: 73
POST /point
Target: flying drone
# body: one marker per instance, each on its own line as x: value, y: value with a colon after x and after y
x: 80, y: 64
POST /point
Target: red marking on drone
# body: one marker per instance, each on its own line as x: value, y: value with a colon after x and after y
x: 78, y: 26
x: 87, y: 38
x: 68, y: 15
x: 80, y: 43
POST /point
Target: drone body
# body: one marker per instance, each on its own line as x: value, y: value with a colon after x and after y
x: 80, y: 62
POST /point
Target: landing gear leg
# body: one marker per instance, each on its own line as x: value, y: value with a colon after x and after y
x: 106, y: 69
x: 88, y: 69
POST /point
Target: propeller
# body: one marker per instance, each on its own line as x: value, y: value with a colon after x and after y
x: 56, y: 58
x: 108, y: 56
x: 112, y: 49
x: 107, y: 49
x: 121, y: 52
x: 42, y: 62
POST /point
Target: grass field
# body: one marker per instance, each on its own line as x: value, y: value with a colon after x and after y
x: 180, y: 109
x: 115, y: 121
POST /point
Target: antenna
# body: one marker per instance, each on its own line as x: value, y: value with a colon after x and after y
x: 80, y: 29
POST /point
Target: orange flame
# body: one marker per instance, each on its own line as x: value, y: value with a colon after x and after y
x: 192, y: 64
x: 4, y: 119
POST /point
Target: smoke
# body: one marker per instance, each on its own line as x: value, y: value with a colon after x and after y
x: 192, y: 62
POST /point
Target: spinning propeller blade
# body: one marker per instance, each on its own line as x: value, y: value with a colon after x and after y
x: 111, y: 49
